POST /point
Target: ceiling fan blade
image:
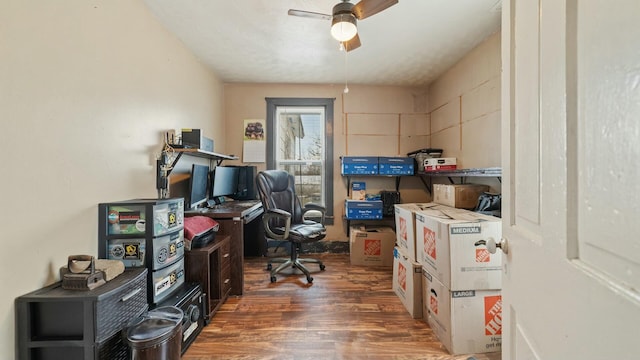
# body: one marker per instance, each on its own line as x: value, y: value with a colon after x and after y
x: 309, y: 14
x: 366, y: 8
x: 352, y: 44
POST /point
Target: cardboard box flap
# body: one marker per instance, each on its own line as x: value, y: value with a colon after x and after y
x: 375, y: 229
x: 449, y: 213
x: 462, y: 216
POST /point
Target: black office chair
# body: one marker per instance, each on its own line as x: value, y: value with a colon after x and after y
x: 284, y: 219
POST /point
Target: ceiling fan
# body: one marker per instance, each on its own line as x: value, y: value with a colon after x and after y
x: 344, y: 19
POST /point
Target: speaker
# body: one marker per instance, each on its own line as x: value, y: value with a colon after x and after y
x: 389, y: 198
x: 246, y: 183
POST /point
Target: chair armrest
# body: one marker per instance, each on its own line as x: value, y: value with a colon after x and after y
x: 278, y: 215
x: 314, y: 207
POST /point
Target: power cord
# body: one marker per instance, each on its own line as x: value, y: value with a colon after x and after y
x: 164, y: 166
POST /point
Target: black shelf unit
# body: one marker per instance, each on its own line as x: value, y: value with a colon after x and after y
x: 385, y: 219
x: 459, y: 173
x: 426, y: 178
x: 219, y: 158
x: 164, y: 169
x: 54, y: 323
x: 397, y: 180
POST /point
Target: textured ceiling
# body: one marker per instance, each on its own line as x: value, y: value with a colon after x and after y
x: 410, y: 43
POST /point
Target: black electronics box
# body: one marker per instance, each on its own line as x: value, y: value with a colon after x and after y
x: 193, y: 138
x: 190, y: 299
x: 246, y: 183
x: 389, y: 198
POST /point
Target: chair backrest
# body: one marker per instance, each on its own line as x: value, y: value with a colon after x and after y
x: 277, y: 191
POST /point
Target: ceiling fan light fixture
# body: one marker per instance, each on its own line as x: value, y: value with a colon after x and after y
x: 343, y: 27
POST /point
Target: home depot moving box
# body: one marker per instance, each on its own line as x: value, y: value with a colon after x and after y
x: 407, y: 283
x: 463, y: 196
x: 451, y: 245
x: 371, y: 245
x: 465, y: 321
x: 406, y: 226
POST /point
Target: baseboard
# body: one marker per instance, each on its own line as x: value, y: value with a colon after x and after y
x: 337, y: 247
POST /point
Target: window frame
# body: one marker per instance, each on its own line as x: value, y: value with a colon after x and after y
x: 327, y: 104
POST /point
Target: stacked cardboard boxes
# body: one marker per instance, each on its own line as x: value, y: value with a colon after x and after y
x: 461, y: 280
x: 406, y: 270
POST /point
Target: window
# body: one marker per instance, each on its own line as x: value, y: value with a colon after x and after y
x: 300, y: 141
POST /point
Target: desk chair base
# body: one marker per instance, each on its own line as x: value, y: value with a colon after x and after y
x: 293, y: 262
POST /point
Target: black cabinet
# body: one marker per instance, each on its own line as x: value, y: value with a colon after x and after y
x: 54, y: 323
x: 210, y: 266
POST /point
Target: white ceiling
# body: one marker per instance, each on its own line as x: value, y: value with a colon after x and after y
x: 410, y: 43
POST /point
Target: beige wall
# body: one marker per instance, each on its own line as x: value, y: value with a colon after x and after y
x: 86, y: 89
x: 378, y: 107
x: 459, y: 113
x: 464, y: 104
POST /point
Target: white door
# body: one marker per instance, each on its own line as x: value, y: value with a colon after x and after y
x: 571, y: 182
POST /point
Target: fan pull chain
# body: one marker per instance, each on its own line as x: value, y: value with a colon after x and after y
x: 346, y: 69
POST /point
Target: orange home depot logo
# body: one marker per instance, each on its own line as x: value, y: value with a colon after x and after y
x: 430, y: 243
x: 373, y: 247
x: 402, y: 276
x: 403, y: 228
x: 493, y: 315
x: 482, y: 255
x: 433, y: 302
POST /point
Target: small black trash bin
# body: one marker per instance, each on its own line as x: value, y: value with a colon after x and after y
x: 156, y: 335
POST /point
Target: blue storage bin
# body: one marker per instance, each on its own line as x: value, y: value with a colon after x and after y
x: 395, y: 166
x: 363, y: 209
x: 359, y: 165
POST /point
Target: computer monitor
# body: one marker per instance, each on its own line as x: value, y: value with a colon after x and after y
x: 198, y: 183
x: 224, y: 182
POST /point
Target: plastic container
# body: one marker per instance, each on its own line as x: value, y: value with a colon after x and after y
x: 156, y: 335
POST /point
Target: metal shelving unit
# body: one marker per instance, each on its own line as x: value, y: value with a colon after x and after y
x: 459, y: 173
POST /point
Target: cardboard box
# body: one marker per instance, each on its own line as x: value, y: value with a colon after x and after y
x: 363, y: 209
x: 358, y: 190
x: 359, y: 165
x: 463, y: 196
x: 195, y: 139
x: 371, y: 245
x: 451, y: 245
x: 467, y: 321
x: 406, y: 227
x: 407, y: 283
x: 439, y: 164
x: 395, y: 165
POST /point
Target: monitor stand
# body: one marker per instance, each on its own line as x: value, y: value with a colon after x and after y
x: 216, y: 200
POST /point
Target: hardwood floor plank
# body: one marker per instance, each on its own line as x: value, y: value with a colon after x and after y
x: 348, y: 312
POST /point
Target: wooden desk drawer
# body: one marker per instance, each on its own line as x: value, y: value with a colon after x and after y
x: 225, y: 268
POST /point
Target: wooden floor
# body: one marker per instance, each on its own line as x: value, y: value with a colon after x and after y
x: 348, y: 312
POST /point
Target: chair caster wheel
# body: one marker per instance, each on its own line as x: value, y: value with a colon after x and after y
x: 273, y: 279
x: 309, y: 279
x: 322, y: 267
x: 269, y: 267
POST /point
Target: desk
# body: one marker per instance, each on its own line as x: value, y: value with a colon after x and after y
x: 242, y: 220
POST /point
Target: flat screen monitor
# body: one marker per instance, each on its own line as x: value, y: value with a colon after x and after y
x: 198, y: 183
x: 224, y: 182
